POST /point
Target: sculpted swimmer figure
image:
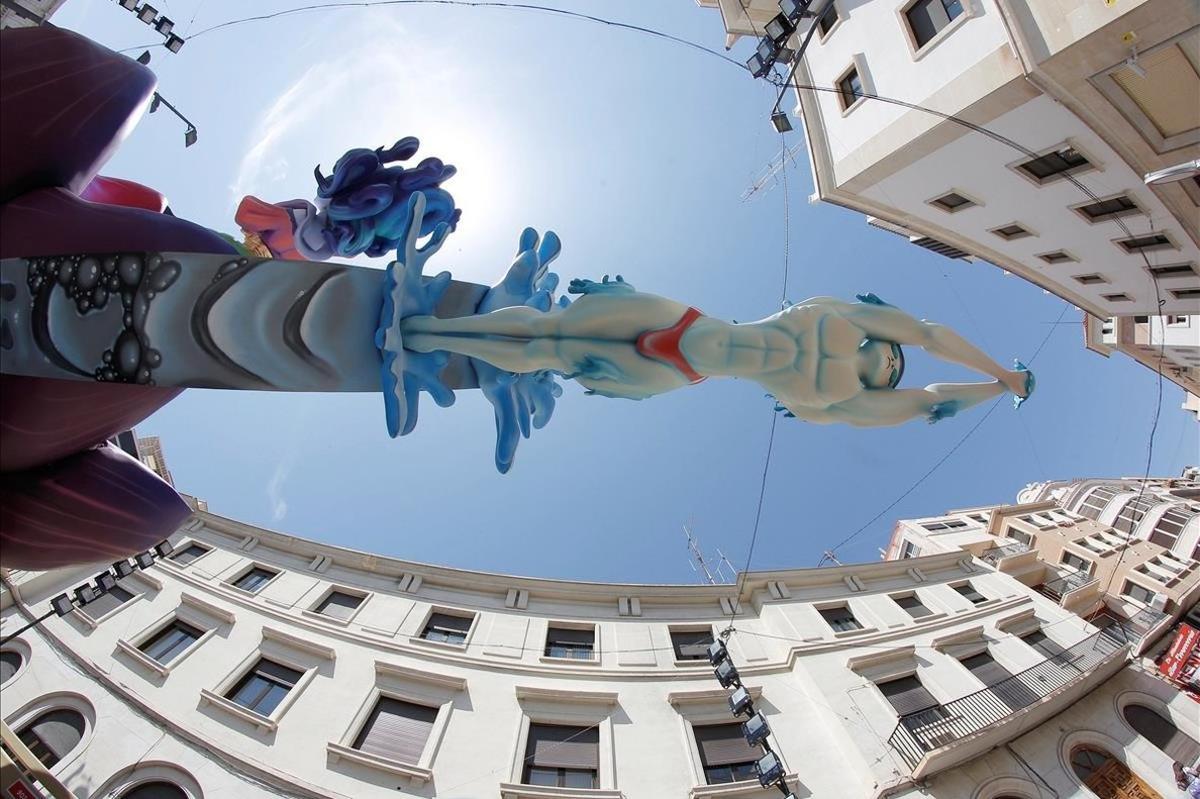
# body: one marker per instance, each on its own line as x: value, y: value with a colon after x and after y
x: 824, y: 360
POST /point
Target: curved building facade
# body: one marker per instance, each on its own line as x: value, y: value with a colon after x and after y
x: 252, y: 663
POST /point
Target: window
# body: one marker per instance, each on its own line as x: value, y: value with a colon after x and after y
x: 53, y: 734
x: 1161, y: 732
x: 254, y: 579
x: 829, y: 17
x: 909, y: 550
x: 1138, y: 593
x: 1079, y: 564
x: 1149, y: 243
x: 927, y: 17
x: 850, y: 88
x: 10, y: 664
x: 447, y: 629
x: 396, y: 730
x: 188, y: 553
x: 952, y: 202
x: 1133, y: 513
x: 1119, y: 297
x: 561, y: 756
x: 907, y: 695
x: 1098, y: 500
x: 264, y: 687
x: 1173, y: 270
x: 913, y: 605
x: 567, y: 642
x: 107, y: 602
x: 339, y: 605
x: 1090, y: 280
x: 691, y: 644
x: 1013, y: 693
x: 1012, y: 232
x: 1185, y: 294
x: 1166, y: 531
x: 967, y: 590
x: 1058, y: 257
x: 1111, y: 208
x: 841, y: 619
x: 170, y: 642
x: 1048, y: 167
x: 948, y: 524
x: 1046, y: 647
x: 724, y: 753
x: 155, y: 790
x: 1169, y: 74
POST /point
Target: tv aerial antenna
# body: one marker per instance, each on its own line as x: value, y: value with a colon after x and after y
x: 719, y: 572
x: 768, y: 176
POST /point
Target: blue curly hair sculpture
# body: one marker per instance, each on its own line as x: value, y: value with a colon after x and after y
x: 366, y: 198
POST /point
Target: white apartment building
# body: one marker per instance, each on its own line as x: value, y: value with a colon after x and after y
x: 254, y: 663
x: 1098, y: 93
x: 1107, y: 564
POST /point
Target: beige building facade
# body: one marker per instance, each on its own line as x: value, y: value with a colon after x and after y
x: 1079, y: 101
x: 251, y: 663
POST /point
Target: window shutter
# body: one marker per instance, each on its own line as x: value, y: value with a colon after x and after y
x: 339, y: 605
x: 556, y: 746
x: 447, y: 622
x: 724, y: 744
x: 564, y: 635
x: 273, y: 670
x: 60, y: 730
x: 907, y: 695
x: 396, y: 730
x: 986, y: 669
x: 108, y: 602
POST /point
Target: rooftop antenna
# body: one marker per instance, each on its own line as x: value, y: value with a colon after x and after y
x: 722, y: 564
x: 772, y: 169
x: 832, y: 558
x: 696, y: 561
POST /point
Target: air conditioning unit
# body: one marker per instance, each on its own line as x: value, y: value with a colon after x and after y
x: 1159, y: 602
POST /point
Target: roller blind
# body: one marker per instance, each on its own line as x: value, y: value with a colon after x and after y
x: 557, y: 746
x: 907, y: 695
x: 397, y: 730
x: 723, y: 745
x: 691, y: 644
x: 339, y: 605
x: 564, y: 635
x: 986, y: 669
x: 1170, y: 77
x: 447, y: 622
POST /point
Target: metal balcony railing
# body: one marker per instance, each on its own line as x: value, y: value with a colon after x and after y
x: 1065, y: 583
x: 925, y: 730
x: 995, y: 554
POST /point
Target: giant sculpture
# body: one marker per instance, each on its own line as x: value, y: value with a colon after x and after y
x: 113, y: 317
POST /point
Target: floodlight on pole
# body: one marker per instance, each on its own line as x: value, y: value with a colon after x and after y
x: 794, y: 10
x: 717, y: 653
x: 144, y: 58
x: 781, y: 122
x: 758, y: 66
x: 128, y: 5
x: 1172, y: 174
x: 779, y: 29
x: 122, y: 569
x: 189, y: 137
x: 769, y: 769
x: 164, y: 548
x: 85, y: 594
x: 740, y: 701
x: 62, y: 605
x: 727, y: 674
x: 174, y: 43
x: 144, y: 560
x: 147, y: 13
x: 756, y: 729
x: 164, y: 25
x: 105, y: 582
x: 155, y: 103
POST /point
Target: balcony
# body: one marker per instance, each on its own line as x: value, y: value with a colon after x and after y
x: 994, y: 555
x: 1064, y: 585
x: 945, y: 735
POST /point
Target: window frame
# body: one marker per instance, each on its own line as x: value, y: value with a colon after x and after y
x: 246, y: 571
x: 1066, y: 144
x: 969, y: 585
x: 929, y: 613
x: 672, y: 629
x: 1023, y: 232
x: 22, y: 650
x: 61, y: 700
x: 183, y: 547
x: 856, y: 68
x: 821, y: 607
x: 191, y: 611
x: 573, y: 709
x: 1137, y: 209
x: 1067, y: 257
x: 313, y: 612
x: 840, y: 17
x: 972, y: 202
x: 284, y: 653
x: 419, y: 636
x: 93, y: 621
x: 1170, y: 244
x: 571, y: 625
x: 1131, y: 584
x: 918, y: 51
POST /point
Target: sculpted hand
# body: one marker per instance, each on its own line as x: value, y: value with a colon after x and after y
x: 584, y: 286
x: 528, y: 281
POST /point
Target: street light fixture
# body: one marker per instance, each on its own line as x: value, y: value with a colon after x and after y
x: 779, y: 29
x: 164, y: 25
x: 756, y: 729
x: 1171, y: 174
x: 128, y: 5
x: 122, y: 569
x: 85, y: 594
x: 189, y: 137
x: 164, y: 548
x: 144, y: 560
x: 739, y: 701
x: 781, y: 122
x: 769, y: 769
x: 727, y: 674
x: 147, y: 13
x: 105, y: 582
x: 174, y: 43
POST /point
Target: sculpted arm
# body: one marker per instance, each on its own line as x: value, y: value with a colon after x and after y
x: 884, y: 407
x: 886, y: 323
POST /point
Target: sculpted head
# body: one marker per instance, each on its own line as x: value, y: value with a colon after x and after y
x: 880, y: 364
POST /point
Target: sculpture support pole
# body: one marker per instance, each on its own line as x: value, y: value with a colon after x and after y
x: 201, y: 321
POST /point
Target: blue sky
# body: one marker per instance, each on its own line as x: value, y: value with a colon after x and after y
x: 636, y: 152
